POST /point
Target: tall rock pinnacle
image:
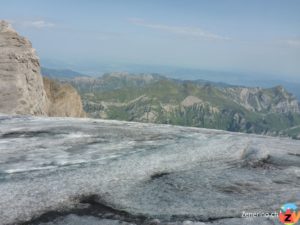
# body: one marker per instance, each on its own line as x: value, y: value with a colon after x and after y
x: 21, y: 86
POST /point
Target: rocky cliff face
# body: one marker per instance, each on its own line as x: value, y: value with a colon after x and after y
x: 64, y: 101
x: 22, y: 88
x: 273, y: 100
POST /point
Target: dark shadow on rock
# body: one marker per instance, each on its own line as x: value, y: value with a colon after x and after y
x: 29, y: 134
x: 158, y: 175
x: 89, y: 206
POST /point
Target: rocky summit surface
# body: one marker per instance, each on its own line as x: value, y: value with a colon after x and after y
x: 22, y: 89
x: 58, y: 171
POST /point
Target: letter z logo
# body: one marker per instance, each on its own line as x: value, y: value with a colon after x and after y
x: 287, y: 218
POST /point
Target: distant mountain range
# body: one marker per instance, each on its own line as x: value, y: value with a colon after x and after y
x: 158, y: 99
x: 60, y: 73
x: 233, y: 78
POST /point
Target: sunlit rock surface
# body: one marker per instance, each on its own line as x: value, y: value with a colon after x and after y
x: 21, y: 84
x: 63, y: 98
x: 23, y: 90
x: 56, y: 171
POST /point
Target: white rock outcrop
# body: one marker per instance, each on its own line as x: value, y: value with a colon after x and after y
x: 22, y: 88
x: 21, y: 84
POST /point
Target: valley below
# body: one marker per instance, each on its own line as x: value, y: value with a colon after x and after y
x: 153, y: 98
x: 56, y: 171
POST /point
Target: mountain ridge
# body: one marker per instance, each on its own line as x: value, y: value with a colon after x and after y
x: 158, y: 99
x: 238, y: 78
x: 60, y: 73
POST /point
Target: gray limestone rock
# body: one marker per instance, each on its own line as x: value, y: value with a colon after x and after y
x: 21, y: 84
x: 22, y: 88
x: 56, y: 171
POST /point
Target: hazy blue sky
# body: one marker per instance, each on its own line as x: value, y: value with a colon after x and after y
x: 234, y: 35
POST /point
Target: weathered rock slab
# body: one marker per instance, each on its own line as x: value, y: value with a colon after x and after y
x: 66, y: 171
